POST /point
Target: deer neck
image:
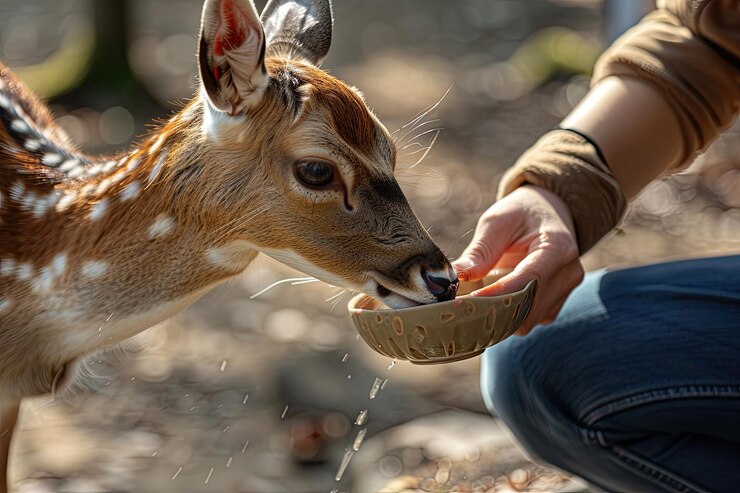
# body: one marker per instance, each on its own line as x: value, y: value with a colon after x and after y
x: 124, y: 244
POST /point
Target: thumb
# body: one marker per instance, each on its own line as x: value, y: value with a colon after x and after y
x: 483, y: 252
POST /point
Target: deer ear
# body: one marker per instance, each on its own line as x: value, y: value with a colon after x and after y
x: 299, y: 29
x: 231, y: 54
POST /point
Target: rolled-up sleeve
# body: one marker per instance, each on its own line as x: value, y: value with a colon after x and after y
x: 689, y: 49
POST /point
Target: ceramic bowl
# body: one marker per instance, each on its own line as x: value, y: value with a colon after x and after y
x: 443, y: 332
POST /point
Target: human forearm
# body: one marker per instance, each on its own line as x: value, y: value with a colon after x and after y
x: 635, y: 129
x: 662, y: 93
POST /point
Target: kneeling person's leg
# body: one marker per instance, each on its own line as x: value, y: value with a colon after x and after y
x: 636, y: 386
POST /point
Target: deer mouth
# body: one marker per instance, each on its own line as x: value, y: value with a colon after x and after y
x: 394, y: 299
x: 424, y: 288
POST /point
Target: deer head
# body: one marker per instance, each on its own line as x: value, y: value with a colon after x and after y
x: 300, y: 163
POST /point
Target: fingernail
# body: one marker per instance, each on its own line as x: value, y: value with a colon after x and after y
x: 461, y: 266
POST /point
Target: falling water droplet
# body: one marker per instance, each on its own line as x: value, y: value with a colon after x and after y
x: 358, y: 441
x: 285, y: 411
x: 223, y: 365
x: 208, y: 478
x: 375, y: 388
x: 244, y: 448
x: 385, y: 382
x: 349, y: 377
x: 345, y: 358
x: 343, y: 466
x: 226, y: 429
x: 245, y: 399
x: 361, y: 418
x: 390, y: 367
x: 228, y: 462
x: 179, y: 470
x: 357, y: 337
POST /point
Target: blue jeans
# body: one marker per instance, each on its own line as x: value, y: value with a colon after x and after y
x: 636, y: 386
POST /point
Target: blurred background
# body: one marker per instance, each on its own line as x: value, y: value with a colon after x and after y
x: 264, y: 395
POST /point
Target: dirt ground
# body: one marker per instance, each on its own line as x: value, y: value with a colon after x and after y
x: 208, y: 402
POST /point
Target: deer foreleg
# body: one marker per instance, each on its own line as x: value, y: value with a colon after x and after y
x: 8, y: 417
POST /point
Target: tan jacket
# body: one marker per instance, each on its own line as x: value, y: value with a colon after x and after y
x: 690, y: 51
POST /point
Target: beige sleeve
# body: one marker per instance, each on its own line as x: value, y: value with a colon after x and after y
x: 570, y: 166
x: 690, y: 51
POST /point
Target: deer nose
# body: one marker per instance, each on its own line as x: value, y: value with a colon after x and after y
x: 443, y: 288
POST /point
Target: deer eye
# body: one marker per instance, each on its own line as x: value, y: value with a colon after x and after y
x: 315, y: 173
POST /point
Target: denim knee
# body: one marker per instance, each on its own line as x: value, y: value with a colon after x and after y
x: 517, y: 378
x: 521, y: 402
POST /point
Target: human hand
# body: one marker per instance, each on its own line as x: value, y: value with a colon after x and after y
x: 530, y: 230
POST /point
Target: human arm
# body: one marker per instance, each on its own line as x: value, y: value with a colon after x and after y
x: 661, y: 94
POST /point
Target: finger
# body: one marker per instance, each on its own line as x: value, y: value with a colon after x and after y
x: 540, y: 265
x: 493, y: 236
x: 510, y: 259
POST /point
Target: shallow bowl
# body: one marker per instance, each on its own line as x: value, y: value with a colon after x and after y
x: 443, y: 332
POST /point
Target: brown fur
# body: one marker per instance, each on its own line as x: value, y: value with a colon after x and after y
x: 99, y: 263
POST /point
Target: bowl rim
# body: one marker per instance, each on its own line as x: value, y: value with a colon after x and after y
x: 353, y: 309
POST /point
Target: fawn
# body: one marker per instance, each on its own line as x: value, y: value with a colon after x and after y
x: 272, y: 155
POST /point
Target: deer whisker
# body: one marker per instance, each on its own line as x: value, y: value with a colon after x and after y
x: 299, y: 280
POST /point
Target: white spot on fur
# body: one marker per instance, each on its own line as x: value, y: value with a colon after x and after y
x: 4, y: 102
x: 69, y: 165
x: 233, y: 257
x: 66, y: 201
x: 7, y: 267
x: 33, y: 145
x: 18, y: 110
x: 25, y: 272
x: 158, y: 167
x: 94, y: 170
x: 17, y: 191
x: 103, y: 186
x: 44, y: 204
x: 86, y: 191
x: 50, y: 274
x: 28, y: 201
x: 130, y: 191
x: 76, y: 172
x: 59, y: 265
x: 5, y: 306
x: 44, y: 282
x: 163, y: 225
x: 133, y: 164
x: 157, y: 144
x: 51, y: 159
x: 20, y: 126
x: 93, y: 269
x: 98, y: 210
x: 109, y: 166
x: 117, y: 178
